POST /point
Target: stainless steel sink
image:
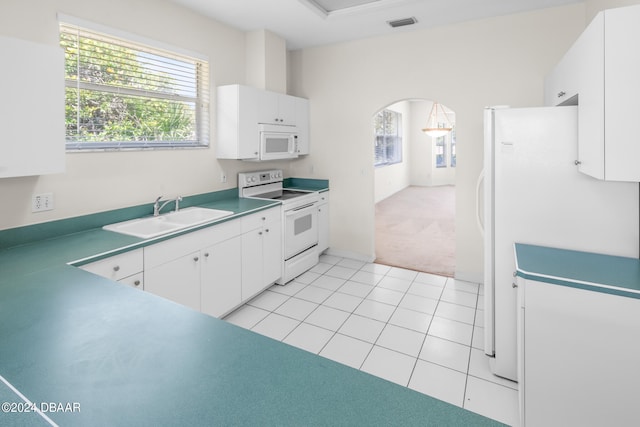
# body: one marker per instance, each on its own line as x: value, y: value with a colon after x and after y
x: 155, y: 226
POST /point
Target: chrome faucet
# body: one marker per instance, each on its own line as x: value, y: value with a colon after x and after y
x: 157, y: 206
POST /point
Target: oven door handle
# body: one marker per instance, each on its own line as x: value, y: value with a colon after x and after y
x: 297, y: 210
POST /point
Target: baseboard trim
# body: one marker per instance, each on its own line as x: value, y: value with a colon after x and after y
x: 348, y: 254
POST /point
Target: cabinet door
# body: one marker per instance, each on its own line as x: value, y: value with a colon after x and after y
x: 622, y: 103
x: 221, y: 277
x: 591, y: 118
x: 561, y: 84
x: 251, y: 263
x: 118, y: 266
x: 580, y: 356
x: 323, y: 222
x: 177, y: 280
x: 32, y: 109
x: 276, y: 108
x: 136, y: 281
x: 237, y: 122
x: 267, y: 107
x: 287, y: 109
x: 302, y: 123
x: 272, y: 253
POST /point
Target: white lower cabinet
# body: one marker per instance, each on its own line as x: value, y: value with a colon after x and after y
x: 213, y: 270
x: 261, y: 251
x: 192, y: 268
x: 125, y: 268
x: 578, y: 353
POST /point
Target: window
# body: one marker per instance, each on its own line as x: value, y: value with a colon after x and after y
x: 387, y: 127
x: 124, y: 94
x: 445, y: 150
x: 452, y: 147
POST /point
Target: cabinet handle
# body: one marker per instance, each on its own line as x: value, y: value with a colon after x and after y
x: 260, y: 233
x: 513, y: 285
x: 195, y: 258
x: 267, y: 230
x: 561, y: 94
x: 264, y: 219
x: 206, y: 254
x: 577, y: 162
x: 116, y: 268
x: 136, y: 283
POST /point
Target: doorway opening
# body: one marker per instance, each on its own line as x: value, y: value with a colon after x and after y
x: 414, y: 189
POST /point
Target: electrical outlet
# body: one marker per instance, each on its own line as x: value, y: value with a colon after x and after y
x: 223, y: 177
x: 42, y: 202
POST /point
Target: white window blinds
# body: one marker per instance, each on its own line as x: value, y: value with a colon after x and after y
x: 124, y: 94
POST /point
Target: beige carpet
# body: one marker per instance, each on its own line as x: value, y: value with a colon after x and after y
x: 415, y: 229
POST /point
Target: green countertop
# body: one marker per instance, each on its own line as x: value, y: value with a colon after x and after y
x: 127, y: 357
x: 597, y: 272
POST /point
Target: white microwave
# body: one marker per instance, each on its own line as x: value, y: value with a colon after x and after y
x: 278, y: 142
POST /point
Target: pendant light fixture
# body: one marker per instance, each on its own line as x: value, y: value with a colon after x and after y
x: 438, y: 124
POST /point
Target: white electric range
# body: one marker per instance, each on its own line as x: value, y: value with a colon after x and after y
x: 299, y: 218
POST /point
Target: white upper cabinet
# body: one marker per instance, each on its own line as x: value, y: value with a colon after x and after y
x: 276, y: 108
x: 622, y: 94
x: 237, y: 124
x: 599, y: 73
x: 32, y: 109
x: 241, y: 110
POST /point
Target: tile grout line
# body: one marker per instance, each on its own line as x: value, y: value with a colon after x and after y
x: 473, y: 331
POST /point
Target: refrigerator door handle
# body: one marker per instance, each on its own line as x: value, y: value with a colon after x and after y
x: 479, y: 220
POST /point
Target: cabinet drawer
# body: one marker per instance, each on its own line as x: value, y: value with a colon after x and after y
x: 135, y: 281
x: 118, y: 266
x: 257, y: 220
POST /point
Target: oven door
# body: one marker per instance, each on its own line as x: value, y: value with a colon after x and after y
x: 300, y: 229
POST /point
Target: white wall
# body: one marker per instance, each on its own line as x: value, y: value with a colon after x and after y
x: 487, y: 62
x: 393, y: 178
x: 96, y: 182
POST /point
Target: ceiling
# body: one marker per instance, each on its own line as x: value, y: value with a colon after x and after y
x: 307, y: 23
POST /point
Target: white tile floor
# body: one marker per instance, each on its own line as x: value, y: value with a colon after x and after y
x: 419, y: 330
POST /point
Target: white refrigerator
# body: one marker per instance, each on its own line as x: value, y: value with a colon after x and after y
x: 533, y: 193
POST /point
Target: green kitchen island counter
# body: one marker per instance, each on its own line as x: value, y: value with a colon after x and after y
x: 102, y: 353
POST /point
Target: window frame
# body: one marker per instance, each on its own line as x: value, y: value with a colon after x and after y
x: 200, y: 126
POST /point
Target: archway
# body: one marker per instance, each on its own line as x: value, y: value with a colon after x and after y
x: 414, y: 189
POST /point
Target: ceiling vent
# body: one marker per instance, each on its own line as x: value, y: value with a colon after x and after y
x: 402, y: 22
